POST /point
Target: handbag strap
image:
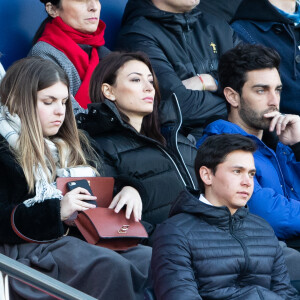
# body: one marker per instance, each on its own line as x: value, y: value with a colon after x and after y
x: 22, y: 236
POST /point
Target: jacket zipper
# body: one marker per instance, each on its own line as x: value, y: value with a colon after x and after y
x: 190, y: 50
x: 176, y: 144
x: 241, y: 243
x: 173, y: 163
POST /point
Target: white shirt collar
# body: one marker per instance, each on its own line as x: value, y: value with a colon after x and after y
x: 204, y: 200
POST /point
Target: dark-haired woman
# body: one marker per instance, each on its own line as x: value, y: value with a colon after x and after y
x: 39, y: 141
x: 72, y: 37
x: 123, y: 120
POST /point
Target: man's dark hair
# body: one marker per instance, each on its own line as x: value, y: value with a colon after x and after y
x: 215, y: 148
x: 235, y: 63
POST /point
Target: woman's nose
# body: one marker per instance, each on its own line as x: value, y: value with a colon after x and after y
x: 149, y: 86
x: 60, y: 109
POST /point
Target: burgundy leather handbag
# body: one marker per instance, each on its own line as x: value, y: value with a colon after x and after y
x: 101, y: 226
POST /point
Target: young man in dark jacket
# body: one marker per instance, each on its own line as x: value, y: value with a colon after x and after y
x: 212, y: 247
x: 276, y: 24
x: 184, y: 46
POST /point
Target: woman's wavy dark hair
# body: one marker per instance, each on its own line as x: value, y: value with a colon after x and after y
x: 41, y: 28
x: 107, y: 71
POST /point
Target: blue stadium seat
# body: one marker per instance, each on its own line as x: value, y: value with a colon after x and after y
x: 20, y: 19
x: 111, y: 14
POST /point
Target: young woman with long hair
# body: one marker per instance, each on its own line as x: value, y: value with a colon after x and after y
x: 38, y: 142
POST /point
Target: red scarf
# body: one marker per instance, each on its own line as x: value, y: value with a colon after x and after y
x: 65, y: 38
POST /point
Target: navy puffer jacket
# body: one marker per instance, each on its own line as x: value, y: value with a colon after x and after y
x: 204, y: 252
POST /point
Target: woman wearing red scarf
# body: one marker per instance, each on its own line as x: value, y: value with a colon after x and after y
x: 72, y: 37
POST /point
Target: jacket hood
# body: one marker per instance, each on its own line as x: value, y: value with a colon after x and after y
x: 101, y: 118
x: 259, y: 10
x: 145, y: 8
x: 190, y: 203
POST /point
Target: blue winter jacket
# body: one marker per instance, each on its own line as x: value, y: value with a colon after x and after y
x: 258, y: 21
x: 276, y: 196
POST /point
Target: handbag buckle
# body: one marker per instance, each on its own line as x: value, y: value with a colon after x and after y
x: 123, y: 229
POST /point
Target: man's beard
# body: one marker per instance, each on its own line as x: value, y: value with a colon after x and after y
x: 255, y: 119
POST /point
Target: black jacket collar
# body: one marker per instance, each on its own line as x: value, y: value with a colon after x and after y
x: 219, y: 216
x: 145, y: 8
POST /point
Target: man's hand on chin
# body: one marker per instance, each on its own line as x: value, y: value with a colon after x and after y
x: 287, y: 127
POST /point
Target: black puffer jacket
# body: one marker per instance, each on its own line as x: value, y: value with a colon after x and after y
x: 204, y: 252
x: 179, y: 46
x: 125, y: 151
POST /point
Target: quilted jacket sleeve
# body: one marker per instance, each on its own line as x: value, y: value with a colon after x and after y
x: 280, y: 212
x: 172, y: 271
x: 280, y: 283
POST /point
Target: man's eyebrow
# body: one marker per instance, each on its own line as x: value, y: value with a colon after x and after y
x: 238, y: 167
x: 243, y: 168
x: 261, y: 85
x: 265, y: 86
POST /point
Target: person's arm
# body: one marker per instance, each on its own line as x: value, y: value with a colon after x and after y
x: 296, y: 150
x: 196, y: 105
x: 171, y: 265
x: 281, y: 210
x: 287, y: 127
x: 201, y: 82
x: 128, y: 191
x: 288, y: 158
x: 280, y: 281
x: 39, y: 222
x: 282, y: 214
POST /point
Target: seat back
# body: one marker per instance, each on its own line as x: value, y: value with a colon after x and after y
x: 111, y: 14
x: 20, y: 19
